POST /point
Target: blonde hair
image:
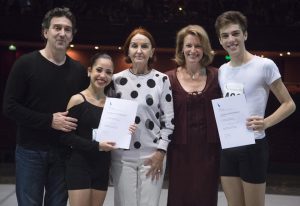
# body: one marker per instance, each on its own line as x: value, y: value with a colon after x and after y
x: 198, y: 31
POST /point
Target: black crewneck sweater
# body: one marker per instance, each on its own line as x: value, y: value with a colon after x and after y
x: 36, y: 88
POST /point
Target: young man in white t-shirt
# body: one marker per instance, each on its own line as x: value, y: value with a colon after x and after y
x: 243, y: 169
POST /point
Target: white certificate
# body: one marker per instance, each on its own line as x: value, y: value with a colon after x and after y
x: 117, y: 116
x: 231, y: 114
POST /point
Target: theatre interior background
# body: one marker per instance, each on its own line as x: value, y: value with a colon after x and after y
x: 103, y: 25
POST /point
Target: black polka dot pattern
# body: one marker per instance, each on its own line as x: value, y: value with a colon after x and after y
x: 153, y: 93
x: 151, y: 83
x: 149, y: 99
x: 162, y: 124
x: 134, y: 94
x: 123, y: 81
x: 168, y: 98
x: 165, y: 78
x: 149, y: 124
x: 157, y: 115
x: 137, y: 145
x: 137, y: 120
x: 119, y: 95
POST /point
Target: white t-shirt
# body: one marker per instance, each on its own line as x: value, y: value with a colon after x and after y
x: 252, y: 79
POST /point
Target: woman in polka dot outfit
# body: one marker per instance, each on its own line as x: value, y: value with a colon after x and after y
x: 138, y: 173
x: 194, y: 153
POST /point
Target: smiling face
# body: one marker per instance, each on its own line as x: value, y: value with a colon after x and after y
x: 60, y: 34
x: 192, y: 49
x: 140, y: 49
x: 233, y: 39
x: 101, y: 72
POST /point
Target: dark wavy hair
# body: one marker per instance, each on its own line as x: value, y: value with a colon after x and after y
x: 231, y: 17
x: 58, y: 12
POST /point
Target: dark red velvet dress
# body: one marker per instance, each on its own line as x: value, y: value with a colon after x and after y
x: 193, y: 155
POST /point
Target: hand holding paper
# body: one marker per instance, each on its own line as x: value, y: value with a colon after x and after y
x: 117, y: 118
x: 231, y: 114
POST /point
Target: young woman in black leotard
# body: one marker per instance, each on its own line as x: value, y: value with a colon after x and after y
x: 87, y: 168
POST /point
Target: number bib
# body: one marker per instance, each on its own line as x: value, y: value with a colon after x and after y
x: 233, y: 89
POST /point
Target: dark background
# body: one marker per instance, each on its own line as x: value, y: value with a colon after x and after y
x: 274, y: 27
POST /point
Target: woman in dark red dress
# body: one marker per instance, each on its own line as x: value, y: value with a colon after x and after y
x: 194, y: 151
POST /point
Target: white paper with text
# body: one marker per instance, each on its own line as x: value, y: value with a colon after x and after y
x: 117, y: 116
x: 231, y: 114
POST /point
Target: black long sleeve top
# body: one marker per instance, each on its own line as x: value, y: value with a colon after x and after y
x: 36, y: 88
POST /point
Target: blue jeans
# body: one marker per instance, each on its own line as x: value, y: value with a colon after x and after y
x: 40, y: 176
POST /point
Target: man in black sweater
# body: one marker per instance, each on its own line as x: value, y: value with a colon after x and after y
x: 38, y: 89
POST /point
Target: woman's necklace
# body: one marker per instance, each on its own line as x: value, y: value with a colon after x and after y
x: 98, y: 100
x: 147, y: 71
x: 198, y: 73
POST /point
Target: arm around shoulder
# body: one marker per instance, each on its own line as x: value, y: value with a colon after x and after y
x: 60, y: 120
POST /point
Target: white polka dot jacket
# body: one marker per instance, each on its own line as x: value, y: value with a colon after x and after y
x: 155, y: 114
